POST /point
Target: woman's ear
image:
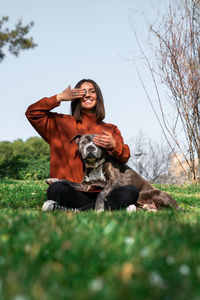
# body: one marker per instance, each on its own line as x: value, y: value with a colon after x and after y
x: 76, y: 138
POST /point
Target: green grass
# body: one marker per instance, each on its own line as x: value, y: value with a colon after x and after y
x: 112, y: 255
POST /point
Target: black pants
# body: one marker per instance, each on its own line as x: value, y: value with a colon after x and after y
x: 67, y: 196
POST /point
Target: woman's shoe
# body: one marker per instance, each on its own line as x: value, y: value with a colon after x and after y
x: 51, y: 205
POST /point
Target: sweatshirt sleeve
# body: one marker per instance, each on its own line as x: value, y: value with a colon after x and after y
x: 121, y: 151
x: 41, y: 118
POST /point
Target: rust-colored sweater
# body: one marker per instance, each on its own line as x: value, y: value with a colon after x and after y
x: 58, y: 129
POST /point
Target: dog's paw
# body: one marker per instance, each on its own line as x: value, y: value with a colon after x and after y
x: 149, y: 208
x: 131, y: 208
x: 99, y: 210
x: 49, y: 181
x: 99, y: 206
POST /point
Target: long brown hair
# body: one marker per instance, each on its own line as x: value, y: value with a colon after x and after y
x: 76, y: 109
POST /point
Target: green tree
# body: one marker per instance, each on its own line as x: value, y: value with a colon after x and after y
x: 25, y: 160
x: 37, y: 148
x: 15, y: 39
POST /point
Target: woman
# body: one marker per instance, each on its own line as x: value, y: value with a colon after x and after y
x: 87, y: 114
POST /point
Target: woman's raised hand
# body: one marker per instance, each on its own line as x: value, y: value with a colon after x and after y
x: 70, y: 94
x: 105, y: 140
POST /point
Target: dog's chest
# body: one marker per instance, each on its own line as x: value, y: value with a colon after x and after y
x: 95, y: 174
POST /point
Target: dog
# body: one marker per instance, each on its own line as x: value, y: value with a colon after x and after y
x: 103, y: 171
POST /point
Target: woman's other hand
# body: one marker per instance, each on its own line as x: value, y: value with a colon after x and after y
x: 70, y: 94
x: 105, y: 140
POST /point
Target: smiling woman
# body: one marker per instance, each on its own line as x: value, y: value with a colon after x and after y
x: 87, y: 114
x: 89, y: 100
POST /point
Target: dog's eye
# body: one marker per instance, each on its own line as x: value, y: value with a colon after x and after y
x: 89, y: 139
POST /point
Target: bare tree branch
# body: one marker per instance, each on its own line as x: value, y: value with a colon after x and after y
x: 178, y: 61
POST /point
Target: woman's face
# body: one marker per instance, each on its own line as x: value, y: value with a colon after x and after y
x: 89, y: 101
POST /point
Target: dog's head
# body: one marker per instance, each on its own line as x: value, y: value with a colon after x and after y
x: 90, y: 152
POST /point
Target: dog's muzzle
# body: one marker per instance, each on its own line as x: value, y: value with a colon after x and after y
x: 91, y: 151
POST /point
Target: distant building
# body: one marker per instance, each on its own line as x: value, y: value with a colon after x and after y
x: 176, y: 173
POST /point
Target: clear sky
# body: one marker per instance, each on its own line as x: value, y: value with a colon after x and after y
x: 78, y: 39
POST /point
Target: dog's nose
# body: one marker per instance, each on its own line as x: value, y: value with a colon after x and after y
x: 90, y: 148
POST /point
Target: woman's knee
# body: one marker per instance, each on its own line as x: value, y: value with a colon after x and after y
x: 133, y: 190
x: 122, y: 197
x: 57, y: 188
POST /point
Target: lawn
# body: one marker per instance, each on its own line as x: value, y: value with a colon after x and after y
x: 112, y: 255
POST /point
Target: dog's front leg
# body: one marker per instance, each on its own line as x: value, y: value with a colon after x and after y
x: 101, y: 198
x: 100, y: 205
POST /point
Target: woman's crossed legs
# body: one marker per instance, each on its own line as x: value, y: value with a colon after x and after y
x: 66, y: 197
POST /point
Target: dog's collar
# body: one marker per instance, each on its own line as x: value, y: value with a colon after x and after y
x: 96, y: 164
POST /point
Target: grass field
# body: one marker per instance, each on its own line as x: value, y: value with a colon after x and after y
x: 112, y: 255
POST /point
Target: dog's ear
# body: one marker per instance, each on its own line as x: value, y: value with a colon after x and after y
x: 76, y: 138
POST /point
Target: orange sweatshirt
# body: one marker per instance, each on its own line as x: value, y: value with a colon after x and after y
x: 58, y: 129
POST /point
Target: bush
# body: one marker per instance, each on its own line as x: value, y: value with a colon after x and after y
x: 35, y: 169
x: 25, y: 160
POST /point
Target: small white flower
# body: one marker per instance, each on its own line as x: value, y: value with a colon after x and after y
x: 109, y: 228
x: 9, y: 220
x: 144, y: 252
x: 184, y: 270
x: 129, y: 240
x: 96, y: 284
x: 170, y: 260
x: 21, y: 297
x: 27, y: 247
x: 156, y: 279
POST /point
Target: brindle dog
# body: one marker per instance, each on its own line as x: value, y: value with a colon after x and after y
x: 102, y: 170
